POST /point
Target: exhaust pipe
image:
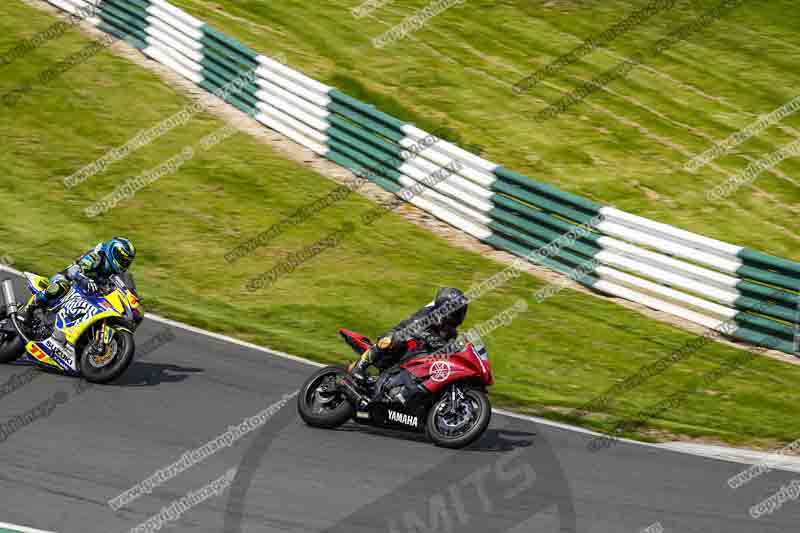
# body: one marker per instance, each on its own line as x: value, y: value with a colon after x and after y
x: 10, y: 297
x: 11, y: 307
x: 355, y: 397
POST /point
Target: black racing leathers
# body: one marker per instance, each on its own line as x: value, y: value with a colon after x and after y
x: 424, y: 327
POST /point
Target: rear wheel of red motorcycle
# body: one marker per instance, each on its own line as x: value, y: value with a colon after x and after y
x: 320, y: 404
x: 461, y: 427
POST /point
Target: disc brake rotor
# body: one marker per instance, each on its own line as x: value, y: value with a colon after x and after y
x: 324, y: 394
x: 102, y: 359
x: 456, y: 418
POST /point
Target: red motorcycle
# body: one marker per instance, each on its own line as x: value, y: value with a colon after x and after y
x: 441, y: 394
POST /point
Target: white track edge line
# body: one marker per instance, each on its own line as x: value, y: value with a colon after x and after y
x: 21, y: 529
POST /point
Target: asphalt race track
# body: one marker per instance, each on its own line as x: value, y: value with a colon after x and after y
x: 61, y: 469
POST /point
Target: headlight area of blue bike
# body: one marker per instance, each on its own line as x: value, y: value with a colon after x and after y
x: 137, y: 313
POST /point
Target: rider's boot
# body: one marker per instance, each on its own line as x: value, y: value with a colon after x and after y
x: 26, y: 314
x: 358, y: 370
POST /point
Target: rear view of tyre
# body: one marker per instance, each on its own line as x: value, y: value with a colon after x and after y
x: 11, y: 347
x: 459, y: 425
x: 111, y: 363
x: 320, y: 403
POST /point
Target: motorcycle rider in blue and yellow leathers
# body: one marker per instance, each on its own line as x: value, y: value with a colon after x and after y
x: 92, y: 268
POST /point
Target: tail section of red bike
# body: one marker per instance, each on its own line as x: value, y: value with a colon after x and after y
x: 358, y: 342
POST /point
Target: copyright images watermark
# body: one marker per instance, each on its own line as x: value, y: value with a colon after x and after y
x: 362, y: 177
x: 414, y: 22
x: 53, y: 32
x: 181, y: 506
x: 150, y: 135
x: 654, y: 528
x: 764, y: 467
x: 368, y: 7
x: 193, y: 457
x: 771, y: 504
x: 42, y: 410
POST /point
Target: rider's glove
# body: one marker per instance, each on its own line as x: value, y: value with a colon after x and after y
x: 88, y: 285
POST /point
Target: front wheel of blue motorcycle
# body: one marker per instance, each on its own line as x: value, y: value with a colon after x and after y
x: 107, y: 363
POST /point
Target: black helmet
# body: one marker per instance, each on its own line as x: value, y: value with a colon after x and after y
x: 452, y: 304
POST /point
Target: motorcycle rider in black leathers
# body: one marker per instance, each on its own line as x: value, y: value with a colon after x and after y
x: 432, y: 327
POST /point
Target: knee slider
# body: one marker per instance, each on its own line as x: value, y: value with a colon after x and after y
x: 57, y: 288
x: 386, y: 343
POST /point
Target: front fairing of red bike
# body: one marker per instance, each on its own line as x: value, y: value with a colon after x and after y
x: 438, y: 371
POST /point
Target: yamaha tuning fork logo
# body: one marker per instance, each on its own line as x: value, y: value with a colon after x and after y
x: 440, y: 371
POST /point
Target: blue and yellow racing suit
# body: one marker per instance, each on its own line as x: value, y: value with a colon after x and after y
x: 93, y: 265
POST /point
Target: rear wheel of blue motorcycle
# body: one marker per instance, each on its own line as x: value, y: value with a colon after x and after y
x: 11, y: 347
x: 123, y: 349
x: 459, y: 428
x: 320, y: 404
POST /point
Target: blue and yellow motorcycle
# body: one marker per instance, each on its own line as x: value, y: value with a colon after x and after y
x: 88, y: 335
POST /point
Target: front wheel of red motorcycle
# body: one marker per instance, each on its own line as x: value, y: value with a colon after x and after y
x: 320, y: 404
x: 460, y: 423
